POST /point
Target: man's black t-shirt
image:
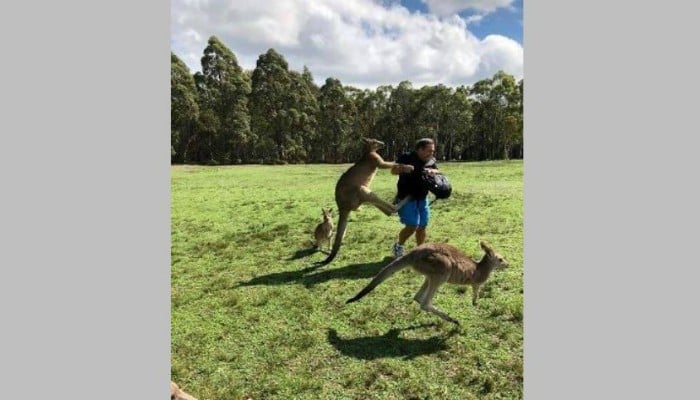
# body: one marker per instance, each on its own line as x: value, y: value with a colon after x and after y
x: 410, y: 183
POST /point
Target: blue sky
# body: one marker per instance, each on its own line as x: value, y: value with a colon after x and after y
x: 503, y: 21
x: 363, y: 43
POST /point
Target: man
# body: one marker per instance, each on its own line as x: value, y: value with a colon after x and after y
x: 415, y: 214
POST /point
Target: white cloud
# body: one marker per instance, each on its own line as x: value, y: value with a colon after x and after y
x: 361, y: 42
x: 448, y: 7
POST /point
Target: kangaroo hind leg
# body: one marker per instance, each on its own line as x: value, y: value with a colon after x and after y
x: 427, y: 301
x: 421, y: 292
x: 368, y: 196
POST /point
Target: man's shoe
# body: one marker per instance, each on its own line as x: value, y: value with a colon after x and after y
x: 397, y: 250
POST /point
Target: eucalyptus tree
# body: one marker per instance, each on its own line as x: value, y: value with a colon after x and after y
x: 223, y: 89
x: 457, y: 133
x: 496, y: 120
x: 283, y: 109
x: 270, y: 119
x: 308, y: 78
x: 184, y: 109
x: 518, y: 120
x: 378, y: 102
x: 303, y: 112
x: 370, y: 106
x: 432, y: 114
x: 399, y: 117
x: 507, y: 91
x: 337, y: 112
x: 309, y: 94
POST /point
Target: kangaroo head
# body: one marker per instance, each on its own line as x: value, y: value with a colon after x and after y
x: 493, y: 258
x: 372, y: 144
x: 326, y: 214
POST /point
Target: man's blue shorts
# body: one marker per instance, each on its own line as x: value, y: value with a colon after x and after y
x: 415, y: 213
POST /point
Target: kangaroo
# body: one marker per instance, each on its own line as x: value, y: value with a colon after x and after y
x: 353, y: 189
x: 440, y: 263
x: 324, y: 230
x: 178, y: 394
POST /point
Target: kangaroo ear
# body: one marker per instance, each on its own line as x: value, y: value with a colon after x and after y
x: 485, y: 246
x: 364, y: 139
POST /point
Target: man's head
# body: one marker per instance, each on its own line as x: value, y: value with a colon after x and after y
x: 425, y: 148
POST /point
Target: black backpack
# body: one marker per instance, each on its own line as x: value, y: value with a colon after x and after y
x: 437, y: 184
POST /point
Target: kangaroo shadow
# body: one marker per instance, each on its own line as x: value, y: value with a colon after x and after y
x: 389, y: 345
x: 352, y: 271
x: 303, y: 253
x: 308, y: 278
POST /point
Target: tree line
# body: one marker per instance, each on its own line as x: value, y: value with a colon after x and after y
x: 274, y: 115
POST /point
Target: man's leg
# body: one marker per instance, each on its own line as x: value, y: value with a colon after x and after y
x: 420, y: 235
x: 423, y: 218
x: 406, y: 233
x: 409, y: 218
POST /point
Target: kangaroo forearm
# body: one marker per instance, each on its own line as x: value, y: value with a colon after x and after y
x: 398, y: 169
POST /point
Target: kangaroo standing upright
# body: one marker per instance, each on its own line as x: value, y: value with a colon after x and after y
x: 353, y: 189
x: 324, y: 230
x: 440, y: 263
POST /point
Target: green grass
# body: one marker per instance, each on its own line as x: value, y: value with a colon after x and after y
x: 251, y: 317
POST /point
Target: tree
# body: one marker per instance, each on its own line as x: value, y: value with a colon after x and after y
x: 273, y: 114
x: 497, y: 116
x: 370, y: 106
x: 303, y: 111
x: 271, y: 107
x: 223, y: 90
x: 457, y: 136
x: 431, y: 114
x: 399, y: 119
x: 184, y: 109
x: 335, y: 124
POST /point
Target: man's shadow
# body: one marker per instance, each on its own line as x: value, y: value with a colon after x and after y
x: 390, y: 345
x: 308, y: 278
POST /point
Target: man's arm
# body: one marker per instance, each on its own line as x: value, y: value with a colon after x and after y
x: 432, y: 168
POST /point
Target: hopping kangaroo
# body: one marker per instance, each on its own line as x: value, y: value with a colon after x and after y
x: 178, y: 394
x: 353, y: 189
x: 440, y: 263
x: 324, y: 230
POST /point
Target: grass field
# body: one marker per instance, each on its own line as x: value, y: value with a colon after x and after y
x: 252, y: 317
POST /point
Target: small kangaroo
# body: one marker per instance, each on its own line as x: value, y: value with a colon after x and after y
x: 324, y: 230
x: 440, y: 263
x: 353, y: 189
x: 178, y: 394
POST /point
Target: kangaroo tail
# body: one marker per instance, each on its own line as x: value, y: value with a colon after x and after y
x: 342, y: 225
x: 391, y: 268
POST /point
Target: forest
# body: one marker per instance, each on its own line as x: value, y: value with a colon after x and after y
x: 274, y: 115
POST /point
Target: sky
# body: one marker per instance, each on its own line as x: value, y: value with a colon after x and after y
x: 363, y: 43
